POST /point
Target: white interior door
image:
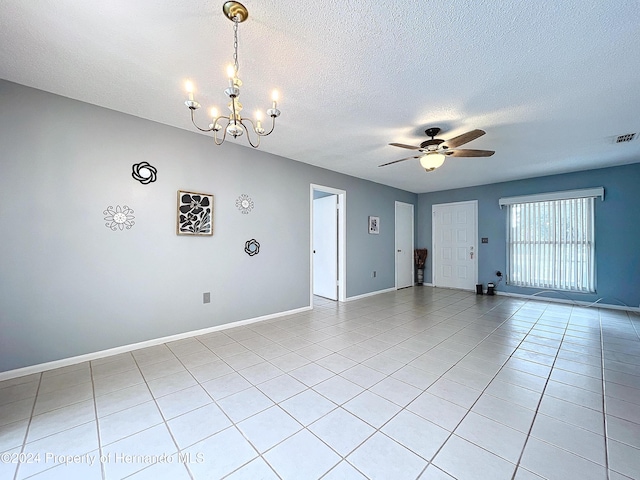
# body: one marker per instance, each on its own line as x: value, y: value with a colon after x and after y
x: 455, y: 238
x: 404, y: 245
x: 325, y: 247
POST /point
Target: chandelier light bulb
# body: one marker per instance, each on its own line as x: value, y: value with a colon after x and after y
x: 189, y: 87
x: 231, y: 73
x: 274, y: 98
x: 214, y: 116
x: 259, y: 129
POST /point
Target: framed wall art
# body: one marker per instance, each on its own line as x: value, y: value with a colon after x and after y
x: 374, y: 225
x: 195, y: 214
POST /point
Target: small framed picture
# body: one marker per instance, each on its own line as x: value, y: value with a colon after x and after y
x: 195, y: 213
x: 374, y: 225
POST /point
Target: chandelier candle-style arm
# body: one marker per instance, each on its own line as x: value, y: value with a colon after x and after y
x: 193, y: 120
x: 215, y: 128
x: 236, y: 125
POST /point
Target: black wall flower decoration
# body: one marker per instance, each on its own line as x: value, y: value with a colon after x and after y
x: 252, y: 247
x: 144, y: 173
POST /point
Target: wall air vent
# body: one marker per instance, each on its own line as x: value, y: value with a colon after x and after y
x: 625, y: 138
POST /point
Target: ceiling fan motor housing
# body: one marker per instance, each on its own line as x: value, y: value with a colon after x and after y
x: 431, y: 144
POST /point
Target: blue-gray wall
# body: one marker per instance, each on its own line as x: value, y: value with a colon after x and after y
x: 617, y: 228
x: 70, y: 286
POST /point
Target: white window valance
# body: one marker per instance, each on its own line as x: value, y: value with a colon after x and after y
x: 595, y: 192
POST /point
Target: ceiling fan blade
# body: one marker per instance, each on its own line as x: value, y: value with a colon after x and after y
x: 464, y: 138
x: 469, y: 153
x: 402, y: 145
x: 396, y: 161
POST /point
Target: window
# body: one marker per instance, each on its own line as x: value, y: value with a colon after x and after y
x: 550, y: 240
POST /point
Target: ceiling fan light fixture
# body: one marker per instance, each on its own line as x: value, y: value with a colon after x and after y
x: 432, y: 152
x: 431, y: 161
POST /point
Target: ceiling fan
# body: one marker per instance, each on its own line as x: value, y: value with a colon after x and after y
x: 435, y: 150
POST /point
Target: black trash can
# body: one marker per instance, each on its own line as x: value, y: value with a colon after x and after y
x: 479, y: 289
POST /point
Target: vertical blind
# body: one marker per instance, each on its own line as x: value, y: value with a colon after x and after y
x: 551, y: 244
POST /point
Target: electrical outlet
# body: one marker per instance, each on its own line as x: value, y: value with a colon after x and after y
x: 373, y: 275
x: 206, y: 297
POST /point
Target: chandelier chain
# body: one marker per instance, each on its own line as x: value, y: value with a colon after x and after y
x: 235, y: 43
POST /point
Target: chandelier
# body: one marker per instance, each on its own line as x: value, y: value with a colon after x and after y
x: 236, y: 125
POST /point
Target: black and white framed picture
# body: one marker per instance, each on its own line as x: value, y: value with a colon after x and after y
x: 195, y: 213
x: 374, y: 225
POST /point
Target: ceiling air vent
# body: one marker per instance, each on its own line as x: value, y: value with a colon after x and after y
x: 625, y: 138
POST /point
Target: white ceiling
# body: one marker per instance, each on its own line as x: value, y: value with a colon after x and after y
x: 551, y: 82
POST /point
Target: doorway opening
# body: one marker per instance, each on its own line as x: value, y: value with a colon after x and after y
x: 327, y: 243
x: 404, y: 231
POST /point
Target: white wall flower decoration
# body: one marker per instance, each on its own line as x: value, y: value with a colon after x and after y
x: 244, y: 203
x: 119, y: 217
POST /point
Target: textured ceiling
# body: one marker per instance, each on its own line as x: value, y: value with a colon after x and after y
x: 551, y: 82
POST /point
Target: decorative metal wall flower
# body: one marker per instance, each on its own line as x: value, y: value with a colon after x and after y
x: 119, y: 217
x: 195, y: 213
x: 244, y: 203
x: 144, y: 173
x: 252, y: 247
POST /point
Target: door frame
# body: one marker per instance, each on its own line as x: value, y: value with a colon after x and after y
x: 433, y: 238
x: 342, y: 239
x: 395, y: 250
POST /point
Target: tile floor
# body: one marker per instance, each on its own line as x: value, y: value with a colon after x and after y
x: 420, y: 383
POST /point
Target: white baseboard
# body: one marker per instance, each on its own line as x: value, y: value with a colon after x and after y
x: 571, y: 302
x: 41, y: 367
x: 370, y: 294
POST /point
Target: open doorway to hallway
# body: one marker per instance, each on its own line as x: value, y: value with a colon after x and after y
x: 327, y: 248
